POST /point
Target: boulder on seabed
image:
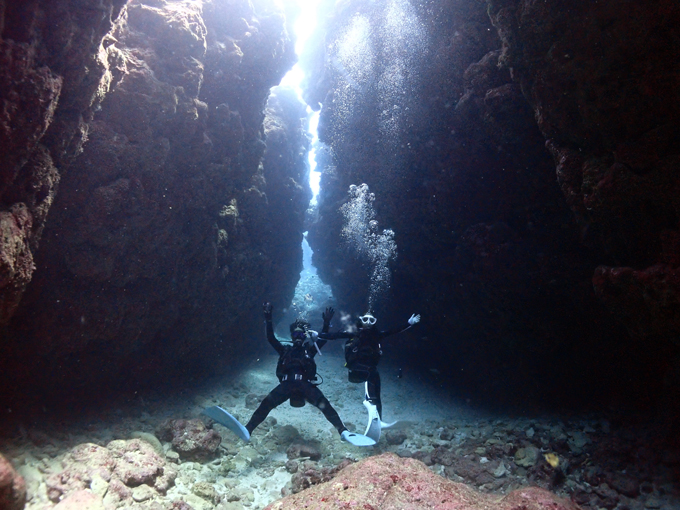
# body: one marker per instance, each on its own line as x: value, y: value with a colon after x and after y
x: 388, y: 482
x: 12, y: 487
x: 110, y: 473
x: 190, y: 438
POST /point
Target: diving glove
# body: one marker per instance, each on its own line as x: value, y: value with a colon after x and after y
x: 267, y: 309
x: 414, y: 319
x: 313, y: 336
x: 328, y: 315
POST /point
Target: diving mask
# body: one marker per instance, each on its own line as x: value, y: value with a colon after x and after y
x: 368, y: 320
x: 298, y: 335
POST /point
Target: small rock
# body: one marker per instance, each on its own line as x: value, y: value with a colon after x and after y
x: 149, y: 438
x: 180, y: 505
x: 269, y: 422
x: 197, y: 503
x: 395, y: 437
x: 166, y: 480
x: 577, y: 441
x: 624, y: 485
x: 252, y: 401
x: 292, y: 466
x: 526, y: 457
x: 446, y: 435
x: 609, y: 496
x: 226, y: 466
x: 80, y: 500
x: 286, y: 435
x: 653, y: 502
x: 250, y: 456
x: 136, y: 462
x: 484, y: 478
x: 99, y: 486
x: 466, y: 468
x: 142, y: 493
x: 295, y: 451
x: 206, y: 491
x: 235, y: 505
x: 116, y: 494
x: 443, y: 456
x: 190, y: 438
x: 244, y: 494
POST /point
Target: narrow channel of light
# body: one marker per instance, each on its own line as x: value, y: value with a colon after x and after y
x: 314, y: 176
x: 304, y: 27
x: 306, y: 23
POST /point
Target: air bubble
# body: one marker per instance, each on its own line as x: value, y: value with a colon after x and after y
x: 361, y: 233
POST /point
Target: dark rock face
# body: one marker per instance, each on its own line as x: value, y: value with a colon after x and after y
x: 160, y: 247
x: 605, y: 93
x: 53, y: 76
x: 184, y: 210
x: 490, y: 252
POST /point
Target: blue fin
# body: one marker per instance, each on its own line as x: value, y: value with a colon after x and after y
x: 224, y: 418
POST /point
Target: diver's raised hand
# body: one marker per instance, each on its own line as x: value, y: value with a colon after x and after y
x: 312, y: 334
x: 267, y: 309
x: 328, y: 315
x: 415, y: 319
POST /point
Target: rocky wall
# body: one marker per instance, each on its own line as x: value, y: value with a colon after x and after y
x: 442, y: 110
x: 602, y: 79
x: 53, y: 77
x: 160, y: 250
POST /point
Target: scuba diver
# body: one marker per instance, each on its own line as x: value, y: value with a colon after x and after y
x: 296, y: 371
x: 362, y: 354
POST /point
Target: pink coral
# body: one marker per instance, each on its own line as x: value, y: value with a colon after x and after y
x: 388, y: 482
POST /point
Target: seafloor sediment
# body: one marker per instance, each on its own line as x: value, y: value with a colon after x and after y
x: 600, y: 464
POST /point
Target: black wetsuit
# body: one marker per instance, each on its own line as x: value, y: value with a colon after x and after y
x: 295, y: 382
x: 362, y: 355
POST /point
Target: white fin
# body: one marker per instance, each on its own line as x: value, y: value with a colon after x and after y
x: 374, y: 423
x: 356, y: 439
x: 387, y: 425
